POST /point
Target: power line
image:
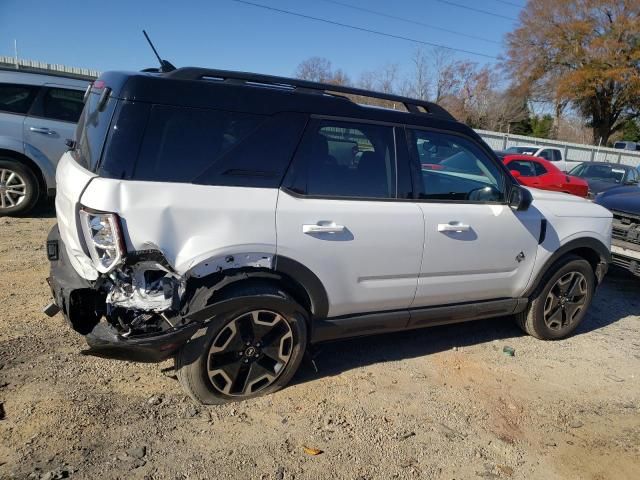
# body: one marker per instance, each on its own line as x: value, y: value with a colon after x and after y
x: 486, y: 12
x: 362, y: 29
x: 510, y: 3
x: 408, y: 20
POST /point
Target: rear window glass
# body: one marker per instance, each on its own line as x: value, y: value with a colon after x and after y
x: 63, y: 104
x: 16, y: 98
x: 181, y: 143
x: 92, y: 130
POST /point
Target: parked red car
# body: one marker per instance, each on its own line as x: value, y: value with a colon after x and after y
x: 539, y: 173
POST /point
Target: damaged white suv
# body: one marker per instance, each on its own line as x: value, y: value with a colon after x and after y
x: 231, y: 220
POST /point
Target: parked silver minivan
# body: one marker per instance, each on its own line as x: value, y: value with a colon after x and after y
x: 38, y: 113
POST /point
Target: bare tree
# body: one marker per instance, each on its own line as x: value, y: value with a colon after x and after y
x: 318, y: 69
x: 315, y: 69
x: 419, y: 84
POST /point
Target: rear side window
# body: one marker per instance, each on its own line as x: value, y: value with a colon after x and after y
x: 62, y: 104
x: 345, y: 160
x: 92, y: 129
x: 539, y: 168
x: 525, y: 168
x: 557, y: 155
x: 180, y: 143
x: 17, y: 98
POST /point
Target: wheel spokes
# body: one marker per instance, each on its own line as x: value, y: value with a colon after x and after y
x: 249, y: 352
x: 565, y: 300
x: 555, y: 319
x: 13, y: 188
x: 572, y: 309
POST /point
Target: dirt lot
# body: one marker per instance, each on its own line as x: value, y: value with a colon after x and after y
x: 443, y: 403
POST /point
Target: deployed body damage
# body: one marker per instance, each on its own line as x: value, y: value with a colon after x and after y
x: 144, y: 293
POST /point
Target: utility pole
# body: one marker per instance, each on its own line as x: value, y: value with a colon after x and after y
x: 15, y: 51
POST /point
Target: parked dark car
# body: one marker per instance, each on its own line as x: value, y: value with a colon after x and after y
x: 602, y: 176
x: 624, y: 203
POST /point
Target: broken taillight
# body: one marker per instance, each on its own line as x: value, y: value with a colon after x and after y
x: 103, y: 238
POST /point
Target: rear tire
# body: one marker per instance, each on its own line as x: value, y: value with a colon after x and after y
x: 245, y: 353
x: 19, y: 188
x: 561, y: 301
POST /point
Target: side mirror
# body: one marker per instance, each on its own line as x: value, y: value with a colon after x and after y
x: 520, y: 198
x: 516, y: 174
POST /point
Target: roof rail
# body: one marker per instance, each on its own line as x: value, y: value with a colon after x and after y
x: 412, y: 105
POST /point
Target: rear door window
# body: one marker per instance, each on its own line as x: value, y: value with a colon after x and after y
x: 346, y: 160
x: 17, y: 98
x: 557, y: 155
x: 62, y: 104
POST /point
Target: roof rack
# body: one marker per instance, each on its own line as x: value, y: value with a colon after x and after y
x: 412, y: 105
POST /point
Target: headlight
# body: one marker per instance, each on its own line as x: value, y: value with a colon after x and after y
x: 102, y: 235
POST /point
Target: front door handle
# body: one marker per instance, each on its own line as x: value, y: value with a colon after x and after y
x: 453, y: 227
x: 43, y: 130
x: 331, y: 227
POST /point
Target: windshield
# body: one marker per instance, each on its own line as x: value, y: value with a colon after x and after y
x: 603, y: 173
x: 522, y: 150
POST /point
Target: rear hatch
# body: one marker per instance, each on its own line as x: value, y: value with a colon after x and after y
x: 77, y: 168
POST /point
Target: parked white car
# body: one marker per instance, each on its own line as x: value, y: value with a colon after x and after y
x: 552, y: 154
x: 231, y: 220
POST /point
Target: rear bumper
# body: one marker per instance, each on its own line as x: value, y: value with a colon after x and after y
x: 83, y: 306
x: 76, y: 297
x: 104, y: 341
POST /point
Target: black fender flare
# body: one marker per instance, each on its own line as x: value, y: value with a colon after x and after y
x: 577, y: 245
x: 319, y: 300
x: 300, y: 281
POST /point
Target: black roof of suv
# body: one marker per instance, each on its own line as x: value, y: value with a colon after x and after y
x: 123, y: 131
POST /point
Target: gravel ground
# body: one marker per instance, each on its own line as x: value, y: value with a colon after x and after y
x: 444, y: 402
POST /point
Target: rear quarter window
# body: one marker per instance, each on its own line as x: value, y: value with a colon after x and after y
x: 215, y: 147
x: 92, y: 129
x: 181, y: 143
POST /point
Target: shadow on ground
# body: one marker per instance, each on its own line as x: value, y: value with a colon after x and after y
x: 610, y: 304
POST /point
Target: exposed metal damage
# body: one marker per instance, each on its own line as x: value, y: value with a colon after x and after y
x: 229, y: 262
x: 145, y: 286
x: 143, y: 294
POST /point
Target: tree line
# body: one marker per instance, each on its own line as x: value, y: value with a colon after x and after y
x: 571, y: 71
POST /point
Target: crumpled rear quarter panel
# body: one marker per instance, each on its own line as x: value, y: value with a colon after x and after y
x: 189, y: 223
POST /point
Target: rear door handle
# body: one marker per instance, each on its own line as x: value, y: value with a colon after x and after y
x: 43, y: 130
x: 322, y: 228
x: 453, y: 227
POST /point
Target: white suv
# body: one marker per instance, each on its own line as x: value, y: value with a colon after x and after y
x: 230, y: 220
x: 38, y: 114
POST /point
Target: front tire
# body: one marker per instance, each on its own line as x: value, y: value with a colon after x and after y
x: 251, y: 351
x: 19, y: 189
x: 561, y: 301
